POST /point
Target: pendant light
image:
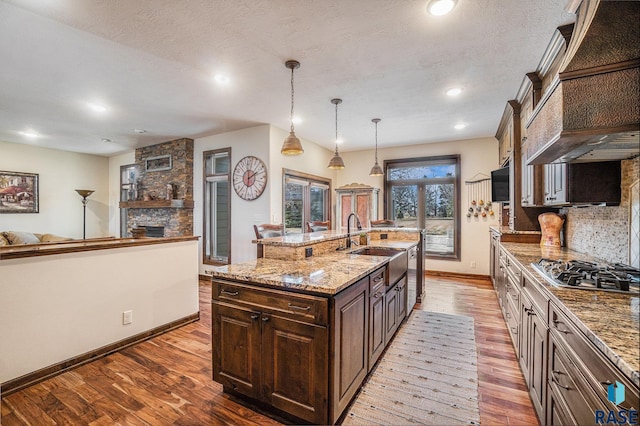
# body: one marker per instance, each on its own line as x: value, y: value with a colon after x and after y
x: 291, y: 144
x: 376, y: 170
x: 336, y: 162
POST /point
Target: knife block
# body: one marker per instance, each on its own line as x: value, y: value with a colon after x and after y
x: 550, y: 225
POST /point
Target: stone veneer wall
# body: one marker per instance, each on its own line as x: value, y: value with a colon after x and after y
x: 176, y: 221
x: 603, y: 231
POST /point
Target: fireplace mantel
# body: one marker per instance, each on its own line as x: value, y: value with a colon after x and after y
x: 157, y: 204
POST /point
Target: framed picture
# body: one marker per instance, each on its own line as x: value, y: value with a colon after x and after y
x: 156, y: 164
x: 18, y: 192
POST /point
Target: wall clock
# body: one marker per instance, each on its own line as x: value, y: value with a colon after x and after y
x: 249, y: 178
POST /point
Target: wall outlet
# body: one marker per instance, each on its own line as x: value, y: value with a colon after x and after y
x: 473, y: 264
x: 308, y: 252
x: 208, y: 272
x: 127, y: 317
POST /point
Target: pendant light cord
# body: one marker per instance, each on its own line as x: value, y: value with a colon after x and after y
x: 376, y: 123
x: 336, y: 128
x: 292, y: 92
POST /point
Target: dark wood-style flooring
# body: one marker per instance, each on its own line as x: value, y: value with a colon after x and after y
x: 167, y: 380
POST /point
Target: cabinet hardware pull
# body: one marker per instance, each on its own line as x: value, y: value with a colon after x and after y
x: 554, y: 380
x: 555, y: 324
x: 557, y: 372
x: 378, y: 278
x: 265, y: 319
x: 376, y: 295
x: 306, y: 308
x: 529, y: 311
x: 507, y: 314
x: 607, y: 383
x: 229, y: 293
x: 254, y: 316
x: 514, y: 330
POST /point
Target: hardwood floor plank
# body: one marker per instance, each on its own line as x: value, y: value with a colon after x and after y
x: 167, y: 379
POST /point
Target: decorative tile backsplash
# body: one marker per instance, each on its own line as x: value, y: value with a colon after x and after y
x: 603, y: 231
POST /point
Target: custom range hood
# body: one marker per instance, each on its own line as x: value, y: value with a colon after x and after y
x: 591, y: 110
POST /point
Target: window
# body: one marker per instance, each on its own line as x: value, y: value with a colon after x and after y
x: 425, y: 193
x: 217, y: 207
x: 306, y: 198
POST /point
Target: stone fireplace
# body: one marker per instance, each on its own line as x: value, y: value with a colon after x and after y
x: 163, y: 188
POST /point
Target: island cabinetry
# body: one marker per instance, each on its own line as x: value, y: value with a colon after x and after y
x: 272, y: 346
x: 377, y: 300
x: 350, y: 344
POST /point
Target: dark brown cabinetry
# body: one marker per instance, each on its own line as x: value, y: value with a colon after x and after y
x: 272, y: 347
x: 377, y: 301
x: 396, y: 307
x: 350, y: 346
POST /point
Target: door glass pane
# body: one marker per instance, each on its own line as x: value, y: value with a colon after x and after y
x: 293, y: 207
x: 222, y: 220
x: 422, y: 172
x: 405, y: 205
x: 318, y: 200
x: 439, y: 218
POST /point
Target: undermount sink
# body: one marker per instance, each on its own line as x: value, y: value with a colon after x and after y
x: 373, y: 251
x: 397, y: 265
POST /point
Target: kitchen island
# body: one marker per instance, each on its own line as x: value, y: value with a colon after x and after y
x: 301, y: 335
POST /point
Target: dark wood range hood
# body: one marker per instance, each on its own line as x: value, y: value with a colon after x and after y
x: 591, y: 112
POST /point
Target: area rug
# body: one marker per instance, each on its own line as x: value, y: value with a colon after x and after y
x: 427, y: 376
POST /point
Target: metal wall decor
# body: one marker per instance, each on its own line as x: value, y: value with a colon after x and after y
x: 479, y: 196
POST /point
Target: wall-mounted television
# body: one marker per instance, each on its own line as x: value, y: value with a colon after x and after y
x: 500, y: 185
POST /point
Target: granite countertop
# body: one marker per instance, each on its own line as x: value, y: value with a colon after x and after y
x: 608, y: 319
x: 507, y: 230
x: 299, y: 240
x: 323, y: 275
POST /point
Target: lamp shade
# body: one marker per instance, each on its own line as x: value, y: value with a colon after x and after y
x: 376, y: 170
x: 336, y: 163
x: 291, y: 145
x: 84, y: 193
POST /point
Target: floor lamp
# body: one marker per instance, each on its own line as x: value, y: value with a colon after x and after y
x: 84, y: 193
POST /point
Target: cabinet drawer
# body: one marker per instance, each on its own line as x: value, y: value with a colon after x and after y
x: 513, y: 291
x: 539, y: 301
x: 514, y: 269
x: 570, y: 388
x: 597, y: 370
x: 512, y: 316
x: 377, y: 281
x: 301, y: 307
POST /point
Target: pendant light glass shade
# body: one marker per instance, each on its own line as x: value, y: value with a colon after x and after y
x: 336, y: 163
x: 291, y: 144
x: 376, y: 170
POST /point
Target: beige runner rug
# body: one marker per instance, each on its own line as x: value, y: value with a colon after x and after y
x: 428, y: 376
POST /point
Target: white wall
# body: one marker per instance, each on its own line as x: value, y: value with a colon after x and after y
x: 114, y: 189
x: 60, y: 174
x: 313, y: 161
x: 476, y: 156
x: 79, y: 306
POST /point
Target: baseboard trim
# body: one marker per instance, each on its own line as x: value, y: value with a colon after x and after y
x: 446, y: 274
x: 29, y: 379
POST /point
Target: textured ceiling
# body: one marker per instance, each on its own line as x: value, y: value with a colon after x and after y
x: 151, y: 61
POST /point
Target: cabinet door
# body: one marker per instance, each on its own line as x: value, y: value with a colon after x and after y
x: 350, y: 344
x: 391, y: 314
x: 402, y: 299
x: 377, y: 301
x: 555, y: 176
x: 363, y: 201
x: 295, y: 367
x: 346, y: 207
x: 538, y: 335
x: 236, y: 360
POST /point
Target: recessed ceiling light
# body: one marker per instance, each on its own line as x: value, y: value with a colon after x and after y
x: 297, y: 119
x: 453, y: 91
x: 106, y: 140
x: 460, y: 126
x: 29, y: 134
x: 140, y: 131
x: 440, y: 7
x: 221, y: 79
x: 97, y: 107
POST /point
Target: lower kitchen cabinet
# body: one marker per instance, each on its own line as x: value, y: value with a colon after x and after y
x: 350, y: 347
x: 396, y: 308
x: 377, y: 301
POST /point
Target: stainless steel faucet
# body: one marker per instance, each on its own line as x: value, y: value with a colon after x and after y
x: 358, y: 225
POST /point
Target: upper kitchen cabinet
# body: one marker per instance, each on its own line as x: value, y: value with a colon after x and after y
x: 508, y: 130
x: 582, y: 183
x: 359, y: 199
x: 590, y: 106
x: 531, y: 180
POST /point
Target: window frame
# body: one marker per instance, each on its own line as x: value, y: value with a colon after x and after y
x: 421, y: 184
x: 205, y: 259
x: 309, y: 180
